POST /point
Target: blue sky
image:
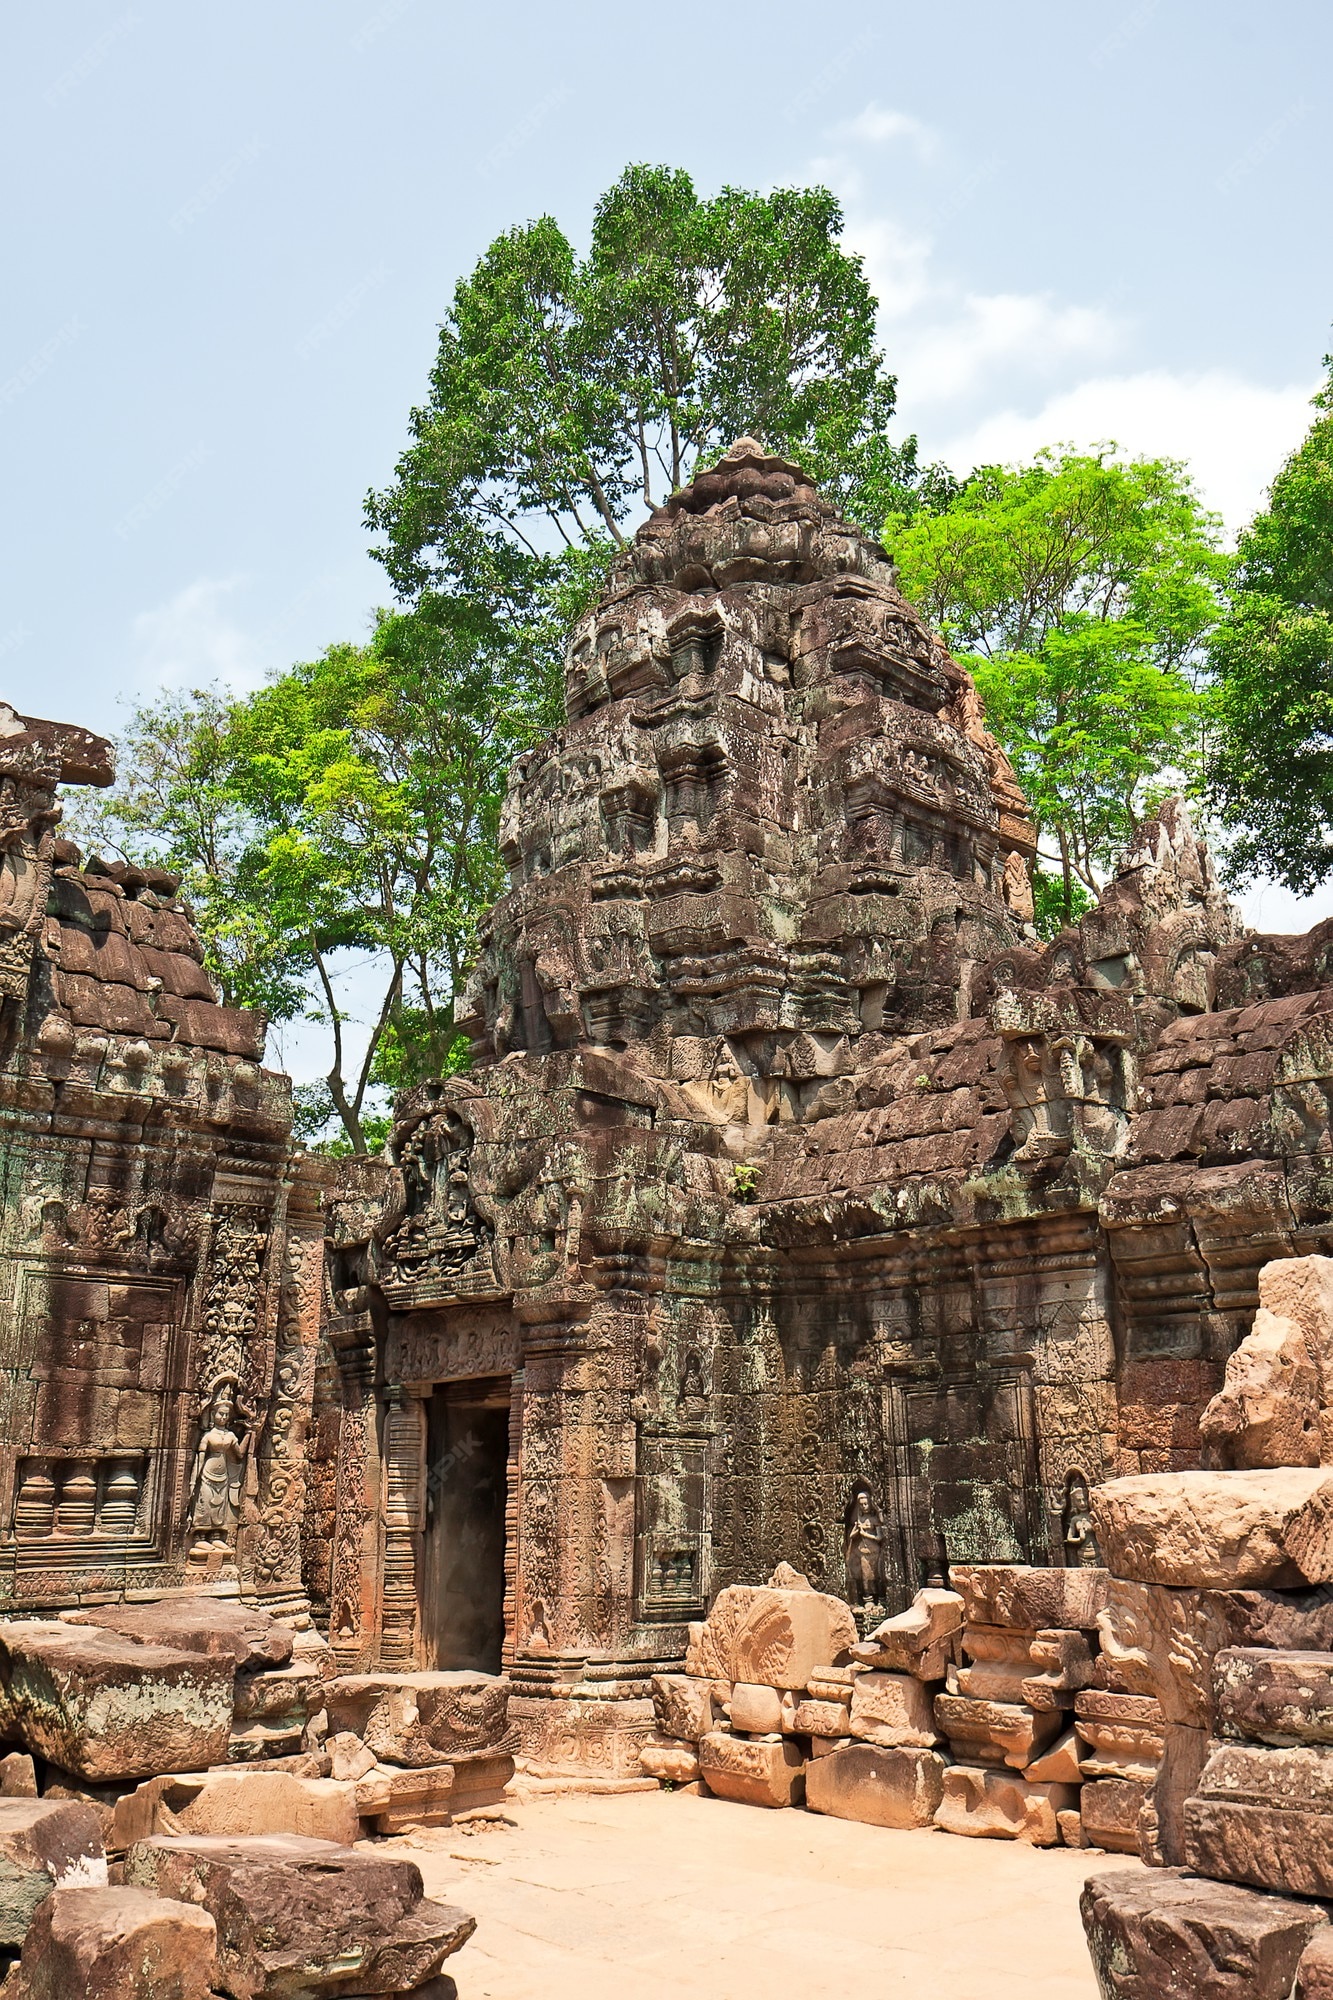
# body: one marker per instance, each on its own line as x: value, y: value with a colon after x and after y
x: 229, y: 235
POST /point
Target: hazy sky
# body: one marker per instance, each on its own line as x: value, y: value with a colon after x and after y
x: 231, y: 232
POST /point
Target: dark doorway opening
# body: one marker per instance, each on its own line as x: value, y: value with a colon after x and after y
x: 463, y: 1568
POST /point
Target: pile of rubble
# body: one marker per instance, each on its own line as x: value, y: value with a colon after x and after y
x: 180, y: 1814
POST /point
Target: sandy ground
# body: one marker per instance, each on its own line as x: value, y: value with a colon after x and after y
x: 646, y: 1895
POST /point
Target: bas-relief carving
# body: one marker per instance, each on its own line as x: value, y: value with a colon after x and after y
x: 450, y: 1347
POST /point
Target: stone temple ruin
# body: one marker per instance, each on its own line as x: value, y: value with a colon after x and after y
x: 802, y: 1218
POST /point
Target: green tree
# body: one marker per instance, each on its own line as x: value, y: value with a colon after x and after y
x: 1081, y: 589
x: 571, y: 393
x: 1271, y: 768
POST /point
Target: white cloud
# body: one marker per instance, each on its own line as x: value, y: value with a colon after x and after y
x: 1233, y: 434
x: 875, y: 127
x: 191, y: 640
x: 983, y: 333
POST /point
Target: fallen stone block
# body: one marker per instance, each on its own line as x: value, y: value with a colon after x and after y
x: 1219, y: 1530
x: 45, y: 1844
x: 1170, y: 1936
x: 1314, y: 1975
x: 824, y: 1746
x: 349, y: 1758
x: 1185, y: 1751
x: 1031, y: 1598
x: 116, y: 1944
x: 1265, y: 1817
x: 921, y: 1640
x: 892, y: 1709
x: 760, y: 1711
x: 1057, y: 1766
x: 191, y: 1621
x: 984, y: 1803
x: 997, y: 1661
x: 754, y: 1771
x: 670, y: 1761
x: 1271, y: 1409
x: 395, y: 1798
x: 822, y: 1718
x: 1163, y: 1642
x: 1282, y: 1698
x: 1117, y: 1745
x: 236, y: 1801
x: 18, y: 1776
x: 480, y: 1779
x: 105, y: 1707
x: 877, y: 1786
x: 305, y: 1916
x: 1110, y: 1808
x: 777, y: 1635
x: 995, y: 1732
x: 420, y: 1718
x: 685, y: 1706
x: 1070, y: 1824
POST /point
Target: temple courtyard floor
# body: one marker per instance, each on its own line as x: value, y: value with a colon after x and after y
x: 652, y: 1894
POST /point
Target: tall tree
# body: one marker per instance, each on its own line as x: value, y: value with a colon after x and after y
x: 1082, y: 588
x: 1271, y: 770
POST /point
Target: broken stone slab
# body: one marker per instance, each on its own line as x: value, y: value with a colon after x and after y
x: 1070, y: 1824
x: 283, y: 1696
x: 877, y: 1786
x: 1167, y: 1935
x: 349, y: 1758
x: 995, y: 1732
x: 45, y: 1844
x: 105, y: 1707
x: 921, y: 1640
x: 777, y: 1635
x: 1219, y: 1530
x: 997, y: 1659
x: 1031, y: 1598
x: 395, y: 1798
x: 1282, y: 1698
x: 1264, y: 1816
x: 191, y: 1621
x: 754, y: 1771
x: 822, y: 1718
x: 116, y: 1944
x: 1314, y: 1975
x: 1273, y: 1408
x: 670, y: 1761
x: 891, y: 1709
x: 1162, y: 1642
x: 236, y: 1801
x: 18, y: 1776
x: 1185, y: 1751
x: 420, y: 1718
x: 760, y: 1711
x: 686, y: 1706
x: 987, y: 1804
x: 1117, y: 1749
x: 1059, y: 1765
x: 1110, y: 1809
x: 297, y: 1915
x: 481, y: 1778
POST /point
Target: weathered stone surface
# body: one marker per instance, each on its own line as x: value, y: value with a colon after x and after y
x: 18, y: 1777
x: 305, y: 1915
x: 921, y: 1640
x: 481, y: 1778
x: 394, y: 1798
x: 1218, y: 1530
x: 876, y: 1785
x: 991, y: 1804
x: 1110, y: 1809
x: 1185, y: 1751
x: 822, y: 1718
x: 1029, y: 1598
x: 1281, y: 1698
x: 776, y: 1637
x: 670, y: 1761
x: 1116, y: 1749
x: 756, y: 1771
x: 995, y: 1732
x: 1264, y: 1816
x: 1273, y: 1408
x: 1165, y: 1935
x: 349, y: 1758
x: 420, y: 1718
x: 1314, y: 1975
x: 891, y: 1709
x: 1057, y: 1766
x: 116, y: 1944
x: 237, y: 1801
x: 192, y: 1621
x: 45, y: 1844
x: 760, y: 1711
x: 1163, y: 1642
x: 107, y: 1707
x: 685, y: 1706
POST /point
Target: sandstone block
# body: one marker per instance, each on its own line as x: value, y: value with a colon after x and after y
x: 480, y: 1779
x: 1057, y: 1766
x: 995, y: 1732
x: 824, y: 1746
x: 998, y: 1661
x: 305, y: 1916
x: 1162, y: 1642
x: 45, y: 1844
x: 760, y: 1711
x: 670, y: 1761
x: 753, y: 1771
x: 685, y: 1706
x: 892, y: 1709
x: 1114, y: 1749
x: 822, y: 1718
x: 922, y: 1639
x: 1265, y: 1817
x: 1219, y: 1530
x: 191, y: 1621
x: 394, y: 1797
x: 18, y: 1776
x: 420, y: 1718
x: 116, y: 1944
x: 832, y: 1683
x: 349, y: 1758
x: 1273, y: 1406
x: 1166, y: 1935
x: 237, y: 1801
x: 991, y: 1804
x: 877, y: 1786
x: 1281, y: 1698
x: 105, y: 1707
x: 1314, y: 1975
x: 1110, y: 1809
x: 774, y: 1636
x: 1036, y: 1599
x: 1070, y: 1824
x: 1162, y: 1822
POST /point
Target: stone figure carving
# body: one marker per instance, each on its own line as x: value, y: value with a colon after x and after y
x: 430, y: 1227
x: 863, y: 1546
x: 220, y: 1463
x: 1080, y: 1540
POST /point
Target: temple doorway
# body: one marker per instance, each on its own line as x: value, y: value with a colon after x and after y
x: 463, y: 1565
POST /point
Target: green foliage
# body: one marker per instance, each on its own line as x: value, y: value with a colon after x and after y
x: 1051, y: 913
x: 1083, y: 587
x: 1271, y: 770
x: 745, y: 1182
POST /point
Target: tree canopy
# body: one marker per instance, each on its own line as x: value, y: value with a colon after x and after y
x: 1080, y: 589
x: 1271, y: 770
